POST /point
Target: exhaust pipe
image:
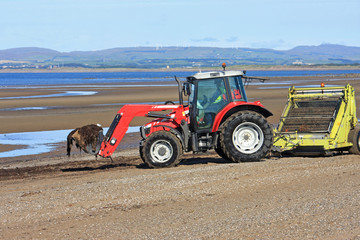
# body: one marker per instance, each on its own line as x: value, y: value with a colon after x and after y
x: 180, y: 91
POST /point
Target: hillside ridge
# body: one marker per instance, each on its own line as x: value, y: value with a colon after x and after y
x: 184, y: 56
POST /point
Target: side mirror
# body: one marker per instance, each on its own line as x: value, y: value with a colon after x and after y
x: 186, y: 89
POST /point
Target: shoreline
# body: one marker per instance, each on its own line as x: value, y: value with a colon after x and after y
x: 236, y: 67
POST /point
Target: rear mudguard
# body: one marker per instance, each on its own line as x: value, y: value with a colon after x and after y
x: 234, y: 107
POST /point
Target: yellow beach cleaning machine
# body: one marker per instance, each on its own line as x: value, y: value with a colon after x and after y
x: 318, y: 121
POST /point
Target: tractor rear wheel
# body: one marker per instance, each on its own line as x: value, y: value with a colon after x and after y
x: 161, y: 149
x: 220, y: 151
x: 246, y: 137
x: 354, y: 138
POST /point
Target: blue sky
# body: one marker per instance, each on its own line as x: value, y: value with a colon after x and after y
x: 71, y: 25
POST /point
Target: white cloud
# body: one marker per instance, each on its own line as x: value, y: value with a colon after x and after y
x: 232, y: 39
x: 206, y: 39
x: 275, y: 44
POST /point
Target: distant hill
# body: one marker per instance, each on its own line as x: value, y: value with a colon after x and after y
x: 329, y: 53
x: 148, y: 57
x: 27, y: 54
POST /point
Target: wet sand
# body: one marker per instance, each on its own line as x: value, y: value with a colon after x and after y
x: 70, y: 112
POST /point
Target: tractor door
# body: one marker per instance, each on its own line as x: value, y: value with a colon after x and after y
x: 209, y: 97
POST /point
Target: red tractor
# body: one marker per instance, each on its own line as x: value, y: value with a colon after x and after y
x: 218, y: 116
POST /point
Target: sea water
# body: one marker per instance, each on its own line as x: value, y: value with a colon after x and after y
x: 38, y: 142
x: 28, y: 79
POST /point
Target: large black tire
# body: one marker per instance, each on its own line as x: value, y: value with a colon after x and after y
x: 161, y: 149
x: 246, y: 137
x: 169, y: 103
x: 141, y: 152
x: 354, y: 138
x: 220, y: 152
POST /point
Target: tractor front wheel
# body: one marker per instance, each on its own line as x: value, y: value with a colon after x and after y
x: 246, y: 137
x: 161, y: 149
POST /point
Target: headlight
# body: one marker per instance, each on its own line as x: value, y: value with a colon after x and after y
x: 113, y: 141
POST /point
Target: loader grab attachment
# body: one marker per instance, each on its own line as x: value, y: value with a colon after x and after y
x: 317, y: 120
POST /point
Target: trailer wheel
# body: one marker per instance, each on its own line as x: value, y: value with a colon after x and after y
x: 161, y: 149
x: 354, y: 138
x: 246, y: 137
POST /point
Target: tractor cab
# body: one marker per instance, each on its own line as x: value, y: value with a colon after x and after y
x: 210, y: 93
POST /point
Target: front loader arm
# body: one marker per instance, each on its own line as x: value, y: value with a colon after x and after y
x: 121, y: 123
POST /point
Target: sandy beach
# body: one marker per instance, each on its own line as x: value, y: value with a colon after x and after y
x: 72, y: 111
x: 52, y: 196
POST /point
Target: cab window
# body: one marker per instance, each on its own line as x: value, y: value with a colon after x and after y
x: 236, y: 89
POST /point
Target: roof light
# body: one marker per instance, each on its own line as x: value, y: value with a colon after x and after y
x: 223, y: 66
